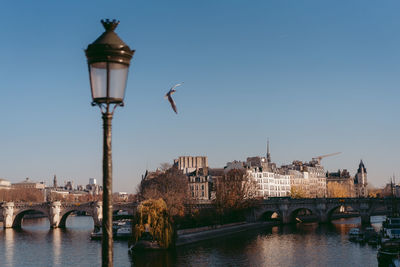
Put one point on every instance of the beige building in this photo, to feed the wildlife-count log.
(29, 184)
(199, 181)
(199, 186)
(190, 164)
(5, 184)
(339, 184)
(307, 178)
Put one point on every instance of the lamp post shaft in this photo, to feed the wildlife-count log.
(107, 241)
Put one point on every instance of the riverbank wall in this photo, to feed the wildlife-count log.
(189, 236)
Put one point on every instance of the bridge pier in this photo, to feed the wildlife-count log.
(55, 212)
(98, 214)
(8, 214)
(284, 213)
(323, 215)
(365, 216)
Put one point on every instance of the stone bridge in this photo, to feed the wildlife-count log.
(321, 208)
(286, 209)
(12, 213)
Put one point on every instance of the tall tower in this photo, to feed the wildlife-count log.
(268, 154)
(360, 181)
(55, 181)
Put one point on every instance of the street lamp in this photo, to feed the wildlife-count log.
(108, 60)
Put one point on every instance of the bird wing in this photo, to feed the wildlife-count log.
(172, 103)
(176, 85)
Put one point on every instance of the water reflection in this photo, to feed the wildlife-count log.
(56, 244)
(9, 246)
(308, 244)
(153, 258)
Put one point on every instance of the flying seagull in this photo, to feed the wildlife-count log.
(168, 95)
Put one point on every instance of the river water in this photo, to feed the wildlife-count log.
(295, 245)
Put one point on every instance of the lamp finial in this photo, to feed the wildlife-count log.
(110, 25)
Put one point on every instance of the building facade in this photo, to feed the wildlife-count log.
(340, 184)
(360, 181)
(190, 164)
(199, 186)
(270, 184)
(5, 184)
(29, 184)
(306, 178)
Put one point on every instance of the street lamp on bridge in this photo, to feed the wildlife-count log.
(108, 60)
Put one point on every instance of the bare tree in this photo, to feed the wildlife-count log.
(298, 192)
(235, 190)
(22, 195)
(171, 185)
(337, 190)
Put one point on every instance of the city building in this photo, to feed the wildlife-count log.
(200, 184)
(270, 184)
(69, 186)
(360, 181)
(199, 181)
(263, 162)
(340, 184)
(27, 183)
(5, 184)
(306, 177)
(55, 185)
(240, 165)
(190, 164)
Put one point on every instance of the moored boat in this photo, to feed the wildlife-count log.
(354, 234)
(146, 242)
(96, 235)
(388, 252)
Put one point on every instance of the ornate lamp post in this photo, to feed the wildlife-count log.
(108, 59)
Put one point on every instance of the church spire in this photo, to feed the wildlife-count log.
(268, 154)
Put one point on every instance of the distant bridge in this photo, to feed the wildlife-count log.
(57, 212)
(286, 209)
(322, 208)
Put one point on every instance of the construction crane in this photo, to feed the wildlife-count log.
(318, 159)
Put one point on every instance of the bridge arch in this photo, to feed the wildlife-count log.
(17, 221)
(270, 215)
(331, 210)
(65, 213)
(64, 216)
(302, 214)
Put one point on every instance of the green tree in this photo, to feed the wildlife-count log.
(152, 217)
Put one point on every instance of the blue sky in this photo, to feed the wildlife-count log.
(315, 77)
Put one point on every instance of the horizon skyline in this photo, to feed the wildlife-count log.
(239, 160)
(314, 77)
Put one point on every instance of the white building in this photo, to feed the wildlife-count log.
(270, 184)
(5, 184)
